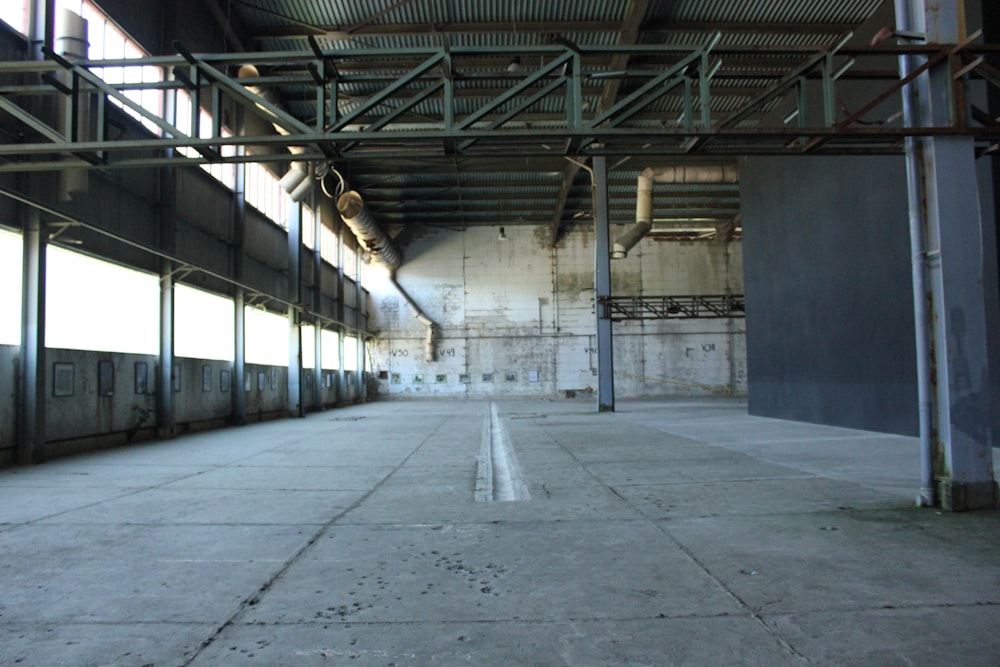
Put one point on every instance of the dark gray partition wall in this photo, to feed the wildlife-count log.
(828, 291)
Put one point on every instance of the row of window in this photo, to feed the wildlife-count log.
(126, 317)
(106, 41)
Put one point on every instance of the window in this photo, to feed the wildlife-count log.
(10, 294)
(109, 42)
(225, 173)
(15, 14)
(91, 304)
(328, 243)
(203, 324)
(330, 340)
(266, 340)
(265, 194)
(308, 228)
(350, 353)
(308, 342)
(350, 260)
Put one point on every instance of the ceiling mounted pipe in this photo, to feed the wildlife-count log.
(430, 341)
(684, 174)
(355, 214)
(71, 43)
(254, 124)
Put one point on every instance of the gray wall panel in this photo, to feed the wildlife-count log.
(828, 290)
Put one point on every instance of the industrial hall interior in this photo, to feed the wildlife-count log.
(499, 332)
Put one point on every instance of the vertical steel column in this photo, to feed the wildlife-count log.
(31, 417)
(943, 172)
(317, 305)
(341, 309)
(295, 408)
(239, 399)
(239, 406)
(602, 285)
(359, 295)
(165, 407)
(164, 378)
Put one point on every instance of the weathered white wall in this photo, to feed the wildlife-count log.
(517, 317)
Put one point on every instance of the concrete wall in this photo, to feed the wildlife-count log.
(517, 318)
(829, 302)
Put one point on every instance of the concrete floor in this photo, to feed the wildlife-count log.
(667, 533)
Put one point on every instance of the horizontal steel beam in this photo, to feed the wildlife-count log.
(622, 308)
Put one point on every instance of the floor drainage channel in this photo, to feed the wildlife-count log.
(498, 476)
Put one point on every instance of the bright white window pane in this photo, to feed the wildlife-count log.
(328, 245)
(10, 295)
(308, 228)
(330, 340)
(350, 353)
(203, 324)
(15, 14)
(308, 346)
(266, 338)
(91, 304)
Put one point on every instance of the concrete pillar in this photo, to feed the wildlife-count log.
(602, 285)
(955, 269)
(295, 408)
(31, 389)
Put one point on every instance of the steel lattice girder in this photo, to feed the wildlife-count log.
(622, 308)
(696, 79)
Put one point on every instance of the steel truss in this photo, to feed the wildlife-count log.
(708, 99)
(621, 308)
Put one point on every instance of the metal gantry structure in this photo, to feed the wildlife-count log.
(684, 101)
(714, 306)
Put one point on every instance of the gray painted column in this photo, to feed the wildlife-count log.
(164, 378)
(239, 406)
(602, 285)
(31, 400)
(341, 310)
(954, 264)
(317, 306)
(295, 408)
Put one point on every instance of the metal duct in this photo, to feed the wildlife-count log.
(71, 42)
(684, 174)
(298, 180)
(354, 212)
(430, 342)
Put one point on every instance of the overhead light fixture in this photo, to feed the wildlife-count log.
(503, 235)
(515, 65)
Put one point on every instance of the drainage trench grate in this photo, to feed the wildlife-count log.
(498, 475)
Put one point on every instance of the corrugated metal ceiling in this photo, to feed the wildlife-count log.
(459, 191)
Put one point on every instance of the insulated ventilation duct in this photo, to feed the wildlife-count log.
(297, 181)
(355, 214)
(684, 174)
(371, 237)
(71, 43)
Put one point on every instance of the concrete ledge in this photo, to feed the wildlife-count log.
(964, 496)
